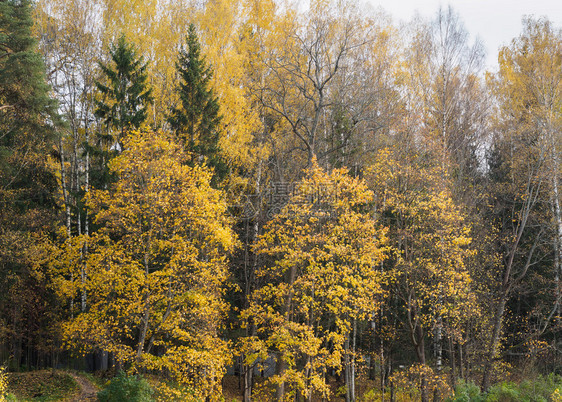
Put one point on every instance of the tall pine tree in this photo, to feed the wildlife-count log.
(196, 121)
(126, 95)
(28, 121)
(125, 98)
(27, 113)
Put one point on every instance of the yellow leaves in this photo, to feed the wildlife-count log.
(200, 368)
(219, 27)
(430, 236)
(325, 251)
(3, 383)
(157, 264)
(293, 341)
(253, 349)
(417, 376)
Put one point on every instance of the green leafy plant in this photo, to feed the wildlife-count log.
(504, 392)
(126, 388)
(467, 392)
(541, 388)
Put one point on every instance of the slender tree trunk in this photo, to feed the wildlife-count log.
(352, 368)
(16, 337)
(280, 368)
(453, 361)
(420, 351)
(382, 364)
(307, 392)
(144, 330)
(350, 365)
(146, 314)
(86, 224)
(68, 215)
(494, 340)
(438, 343)
(248, 372)
(346, 370)
(248, 382)
(461, 363)
(558, 219)
(557, 262)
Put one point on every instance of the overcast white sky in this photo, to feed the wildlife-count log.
(496, 22)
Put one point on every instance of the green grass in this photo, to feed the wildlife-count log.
(44, 385)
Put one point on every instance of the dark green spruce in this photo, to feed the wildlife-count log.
(125, 98)
(197, 119)
(27, 114)
(28, 126)
(125, 93)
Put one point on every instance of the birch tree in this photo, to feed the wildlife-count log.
(528, 88)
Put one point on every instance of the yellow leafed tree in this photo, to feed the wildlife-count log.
(432, 242)
(321, 276)
(156, 268)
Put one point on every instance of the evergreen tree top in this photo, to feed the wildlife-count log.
(28, 115)
(126, 95)
(25, 103)
(197, 119)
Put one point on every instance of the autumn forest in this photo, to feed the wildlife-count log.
(285, 201)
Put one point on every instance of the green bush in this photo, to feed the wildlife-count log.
(370, 395)
(126, 388)
(467, 392)
(541, 388)
(504, 392)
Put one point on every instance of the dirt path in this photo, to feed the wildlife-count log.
(88, 391)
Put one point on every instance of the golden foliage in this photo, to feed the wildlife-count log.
(323, 254)
(410, 382)
(431, 239)
(155, 271)
(3, 383)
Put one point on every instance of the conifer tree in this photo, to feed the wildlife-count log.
(124, 104)
(26, 111)
(28, 119)
(126, 95)
(196, 121)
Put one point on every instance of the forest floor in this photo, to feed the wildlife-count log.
(51, 385)
(42, 385)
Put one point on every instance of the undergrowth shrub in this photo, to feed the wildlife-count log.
(126, 388)
(541, 389)
(467, 392)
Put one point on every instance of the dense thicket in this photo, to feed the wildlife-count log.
(311, 195)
